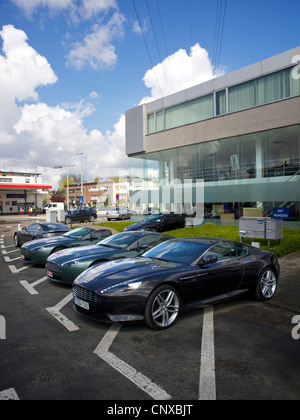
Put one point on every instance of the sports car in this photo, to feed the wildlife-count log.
(159, 223)
(38, 231)
(37, 251)
(65, 266)
(173, 277)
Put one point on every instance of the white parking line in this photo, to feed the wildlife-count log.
(6, 246)
(31, 287)
(207, 383)
(9, 252)
(55, 311)
(8, 259)
(140, 380)
(16, 270)
(9, 394)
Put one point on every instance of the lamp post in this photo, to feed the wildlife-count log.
(68, 166)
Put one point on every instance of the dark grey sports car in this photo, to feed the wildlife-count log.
(38, 231)
(175, 276)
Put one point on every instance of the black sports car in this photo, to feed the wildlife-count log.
(174, 276)
(159, 223)
(81, 215)
(38, 231)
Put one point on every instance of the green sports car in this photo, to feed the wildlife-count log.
(65, 266)
(37, 251)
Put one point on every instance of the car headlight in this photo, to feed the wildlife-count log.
(70, 263)
(121, 288)
(39, 248)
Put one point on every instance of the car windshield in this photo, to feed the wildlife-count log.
(154, 218)
(177, 251)
(78, 233)
(120, 240)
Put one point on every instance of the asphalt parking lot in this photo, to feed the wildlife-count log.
(237, 350)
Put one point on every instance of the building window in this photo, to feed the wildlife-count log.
(150, 123)
(221, 102)
(190, 112)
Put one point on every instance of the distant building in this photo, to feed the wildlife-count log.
(101, 193)
(19, 191)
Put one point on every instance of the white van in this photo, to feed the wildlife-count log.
(54, 206)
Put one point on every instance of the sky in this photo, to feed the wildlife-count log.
(70, 69)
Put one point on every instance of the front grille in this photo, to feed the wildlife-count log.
(85, 294)
(26, 253)
(57, 273)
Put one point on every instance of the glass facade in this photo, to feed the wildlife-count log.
(253, 170)
(259, 91)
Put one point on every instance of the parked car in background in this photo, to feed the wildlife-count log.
(120, 213)
(65, 266)
(172, 277)
(102, 211)
(39, 230)
(37, 252)
(159, 223)
(87, 214)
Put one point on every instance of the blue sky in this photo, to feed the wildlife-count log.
(69, 69)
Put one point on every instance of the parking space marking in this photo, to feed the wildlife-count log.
(207, 382)
(9, 394)
(31, 287)
(6, 246)
(8, 259)
(16, 270)
(9, 252)
(140, 380)
(55, 311)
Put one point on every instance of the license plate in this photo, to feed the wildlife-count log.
(49, 274)
(81, 303)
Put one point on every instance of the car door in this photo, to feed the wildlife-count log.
(27, 233)
(222, 276)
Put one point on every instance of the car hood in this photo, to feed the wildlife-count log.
(46, 242)
(114, 272)
(83, 252)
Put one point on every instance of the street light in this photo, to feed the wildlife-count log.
(68, 166)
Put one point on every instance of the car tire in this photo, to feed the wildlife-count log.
(91, 219)
(17, 241)
(162, 307)
(267, 284)
(67, 220)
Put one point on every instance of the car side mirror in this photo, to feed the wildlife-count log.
(210, 259)
(24, 228)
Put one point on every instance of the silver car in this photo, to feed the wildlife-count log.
(120, 213)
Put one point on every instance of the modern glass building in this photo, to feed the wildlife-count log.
(238, 135)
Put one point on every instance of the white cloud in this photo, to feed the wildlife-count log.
(96, 50)
(22, 69)
(179, 71)
(30, 6)
(84, 8)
